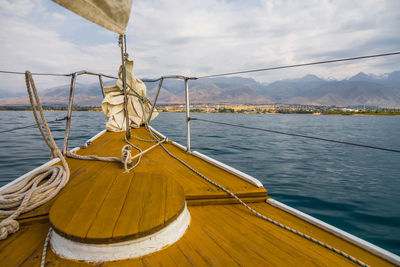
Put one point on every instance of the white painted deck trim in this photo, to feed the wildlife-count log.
(97, 135)
(387, 255)
(184, 148)
(49, 163)
(228, 168)
(123, 250)
(157, 132)
(336, 231)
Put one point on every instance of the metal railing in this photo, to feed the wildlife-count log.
(160, 80)
(181, 77)
(187, 101)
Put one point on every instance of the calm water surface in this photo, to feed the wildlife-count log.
(355, 189)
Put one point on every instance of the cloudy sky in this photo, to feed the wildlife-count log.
(201, 37)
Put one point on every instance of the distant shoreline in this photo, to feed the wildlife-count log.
(364, 113)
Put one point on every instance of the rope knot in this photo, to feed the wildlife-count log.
(55, 153)
(86, 144)
(8, 226)
(126, 157)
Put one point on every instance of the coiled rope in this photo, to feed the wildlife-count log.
(44, 184)
(258, 214)
(40, 186)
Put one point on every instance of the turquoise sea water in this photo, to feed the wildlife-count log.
(355, 189)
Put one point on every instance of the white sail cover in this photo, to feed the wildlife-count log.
(110, 14)
(139, 106)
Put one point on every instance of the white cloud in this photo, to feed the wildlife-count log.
(58, 16)
(209, 36)
(16, 7)
(28, 46)
(220, 36)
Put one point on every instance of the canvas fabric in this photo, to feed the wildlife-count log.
(110, 14)
(113, 102)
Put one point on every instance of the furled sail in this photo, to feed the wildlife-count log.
(139, 106)
(110, 14)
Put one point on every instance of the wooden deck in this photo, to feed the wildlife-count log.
(117, 207)
(220, 233)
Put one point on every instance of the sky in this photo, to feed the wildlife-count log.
(200, 37)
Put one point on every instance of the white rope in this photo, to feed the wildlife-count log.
(44, 251)
(126, 158)
(93, 157)
(44, 184)
(39, 187)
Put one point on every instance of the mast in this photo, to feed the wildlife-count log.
(124, 56)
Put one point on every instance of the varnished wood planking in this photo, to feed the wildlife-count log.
(144, 210)
(305, 227)
(84, 207)
(317, 232)
(119, 208)
(74, 195)
(123, 225)
(261, 246)
(194, 187)
(157, 160)
(78, 168)
(15, 250)
(103, 224)
(221, 235)
(174, 197)
(152, 217)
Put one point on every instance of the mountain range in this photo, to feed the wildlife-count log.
(361, 89)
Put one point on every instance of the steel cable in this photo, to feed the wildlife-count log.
(227, 73)
(299, 65)
(31, 125)
(298, 135)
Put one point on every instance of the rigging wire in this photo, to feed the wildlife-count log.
(298, 135)
(45, 74)
(223, 74)
(60, 74)
(300, 65)
(31, 125)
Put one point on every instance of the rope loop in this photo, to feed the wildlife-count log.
(38, 187)
(7, 227)
(126, 157)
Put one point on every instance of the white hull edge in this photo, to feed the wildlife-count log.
(157, 132)
(49, 163)
(336, 231)
(214, 162)
(223, 166)
(229, 169)
(387, 255)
